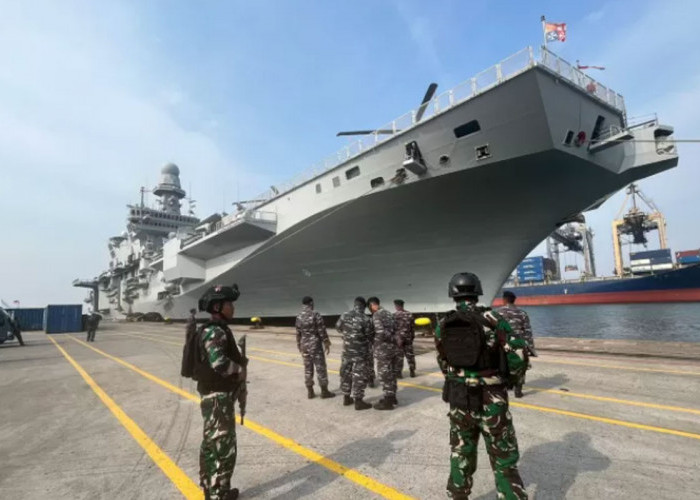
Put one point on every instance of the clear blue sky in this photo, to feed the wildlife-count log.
(96, 96)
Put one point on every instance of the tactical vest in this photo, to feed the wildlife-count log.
(464, 343)
(208, 379)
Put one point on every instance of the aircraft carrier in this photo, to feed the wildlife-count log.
(472, 179)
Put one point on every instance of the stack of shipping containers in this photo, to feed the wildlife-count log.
(688, 257)
(651, 261)
(535, 270)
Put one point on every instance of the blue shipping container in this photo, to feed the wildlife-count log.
(29, 318)
(650, 254)
(63, 318)
(690, 259)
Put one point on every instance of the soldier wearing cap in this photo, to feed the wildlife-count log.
(519, 321)
(312, 340)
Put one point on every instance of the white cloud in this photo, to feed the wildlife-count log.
(594, 16)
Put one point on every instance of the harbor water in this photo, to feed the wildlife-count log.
(675, 322)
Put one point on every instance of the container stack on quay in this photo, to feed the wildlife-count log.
(29, 318)
(688, 257)
(650, 261)
(63, 318)
(536, 269)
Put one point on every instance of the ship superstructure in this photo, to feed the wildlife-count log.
(457, 184)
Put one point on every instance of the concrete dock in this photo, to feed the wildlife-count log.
(114, 419)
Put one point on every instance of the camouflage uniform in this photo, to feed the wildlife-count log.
(357, 332)
(519, 322)
(404, 328)
(385, 348)
(217, 455)
(486, 413)
(311, 335)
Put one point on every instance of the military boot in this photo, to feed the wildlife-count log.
(384, 404)
(232, 494)
(399, 374)
(413, 372)
(312, 394)
(393, 400)
(518, 391)
(371, 383)
(325, 393)
(362, 405)
(347, 400)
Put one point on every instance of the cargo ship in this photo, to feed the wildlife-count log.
(651, 276)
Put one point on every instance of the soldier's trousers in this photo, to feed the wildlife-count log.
(493, 421)
(353, 376)
(91, 334)
(407, 352)
(318, 359)
(386, 368)
(217, 455)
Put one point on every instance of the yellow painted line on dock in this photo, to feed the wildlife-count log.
(340, 469)
(617, 367)
(183, 483)
(439, 375)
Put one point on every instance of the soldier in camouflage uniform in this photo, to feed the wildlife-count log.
(404, 328)
(479, 399)
(312, 340)
(220, 373)
(519, 321)
(385, 348)
(357, 332)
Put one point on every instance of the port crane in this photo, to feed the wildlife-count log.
(635, 223)
(576, 237)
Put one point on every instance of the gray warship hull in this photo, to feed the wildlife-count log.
(484, 199)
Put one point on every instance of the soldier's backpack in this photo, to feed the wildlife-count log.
(191, 354)
(464, 341)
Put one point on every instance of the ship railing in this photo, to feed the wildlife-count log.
(248, 216)
(496, 75)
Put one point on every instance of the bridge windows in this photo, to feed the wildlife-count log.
(336, 182)
(318, 188)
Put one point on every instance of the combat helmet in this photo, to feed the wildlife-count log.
(464, 286)
(217, 294)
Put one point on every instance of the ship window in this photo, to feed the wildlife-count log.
(569, 137)
(597, 129)
(336, 182)
(467, 128)
(318, 188)
(352, 172)
(376, 182)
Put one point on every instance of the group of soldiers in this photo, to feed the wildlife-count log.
(481, 353)
(380, 336)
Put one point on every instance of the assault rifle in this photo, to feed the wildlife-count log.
(242, 393)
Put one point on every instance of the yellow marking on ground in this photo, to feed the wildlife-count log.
(340, 469)
(617, 367)
(622, 423)
(183, 483)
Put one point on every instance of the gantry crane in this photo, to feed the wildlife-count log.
(574, 237)
(636, 223)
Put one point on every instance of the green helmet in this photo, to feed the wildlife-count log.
(217, 294)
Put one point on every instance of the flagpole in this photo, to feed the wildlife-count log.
(544, 31)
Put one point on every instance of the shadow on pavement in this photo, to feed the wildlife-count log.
(553, 467)
(307, 480)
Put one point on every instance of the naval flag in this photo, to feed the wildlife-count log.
(554, 32)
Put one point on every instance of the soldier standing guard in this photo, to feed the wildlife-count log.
(312, 340)
(385, 347)
(191, 327)
(356, 329)
(519, 321)
(471, 346)
(404, 329)
(220, 373)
